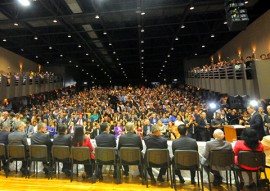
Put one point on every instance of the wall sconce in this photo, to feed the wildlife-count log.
(219, 57)
(21, 66)
(39, 68)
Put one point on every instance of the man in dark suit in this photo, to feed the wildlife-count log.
(41, 138)
(184, 143)
(105, 140)
(256, 122)
(203, 127)
(18, 137)
(217, 144)
(146, 127)
(4, 139)
(155, 141)
(63, 139)
(129, 140)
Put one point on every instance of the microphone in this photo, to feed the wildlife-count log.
(234, 119)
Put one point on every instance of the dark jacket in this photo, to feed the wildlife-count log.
(4, 136)
(155, 142)
(256, 123)
(184, 143)
(105, 140)
(130, 140)
(62, 140)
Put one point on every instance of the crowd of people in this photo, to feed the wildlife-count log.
(130, 115)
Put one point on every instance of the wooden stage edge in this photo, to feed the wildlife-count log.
(61, 183)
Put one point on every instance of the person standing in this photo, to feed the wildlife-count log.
(256, 122)
(184, 143)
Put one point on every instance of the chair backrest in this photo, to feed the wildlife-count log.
(157, 158)
(16, 152)
(60, 153)
(251, 159)
(130, 155)
(2, 151)
(186, 159)
(105, 155)
(221, 159)
(38, 152)
(80, 155)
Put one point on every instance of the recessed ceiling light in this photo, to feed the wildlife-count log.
(191, 7)
(142, 13)
(110, 44)
(104, 32)
(142, 50)
(47, 62)
(176, 38)
(212, 35)
(69, 36)
(142, 57)
(195, 54)
(105, 72)
(82, 70)
(114, 52)
(36, 56)
(225, 23)
(55, 21)
(61, 55)
(22, 49)
(119, 64)
(172, 48)
(86, 54)
(169, 56)
(70, 61)
(36, 38)
(122, 68)
(101, 69)
(93, 60)
(165, 61)
(161, 70)
(203, 46)
(142, 63)
(183, 26)
(5, 40)
(97, 65)
(246, 2)
(97, 16)
(16, 24)
(79, 46)
(142, 30)
(142, 66)
(87, 73)
(50, 47)
(163, 66)
(117, 58)
(142, 41)
(24, 2)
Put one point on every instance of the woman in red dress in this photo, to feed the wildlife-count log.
(80, 140)
(249, 142)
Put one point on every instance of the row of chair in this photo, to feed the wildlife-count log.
(154, 158)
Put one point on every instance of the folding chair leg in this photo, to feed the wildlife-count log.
(71, 174)
(170, 170)
(174, 180)
(201, 172)
(146, 178)
(209, 182)
(198, 178)
(227, 177)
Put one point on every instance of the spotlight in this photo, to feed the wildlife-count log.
(213, 105)
(253, 103)
(97, 17)
(24, 3)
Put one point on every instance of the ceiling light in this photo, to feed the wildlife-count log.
(225, 23)
(183, 26)
(50, 47)
(24, 2)
(212, 35)
(36, 38)
(36, 56)
(161, 70)
(47, 62)
(114, 52)
(195, 54)
(121, 68)
(61, 55)
(191, 7)
(97, 65)
(101, 69)
(70, 61)
(97, 17)
(142, 41)
(55, 21)
(69, 36)
(79, 46)
(117, 58)
(142, 63)
(142, 13)
(16, 24)
(172, 48)
(104, 32)
(176, 38)
(142, 50)
(142, 30)
(5, 40)
(203, 46)
(119, 64)
(142, 57)
(87, 73)
(169, 56)
(82, 70)
(77, 66)
(93, 60)
(246, 2)
(110, 44)
(142, 67)
(165, 61)
(163, 66)
(105, 72)
(86, 54)
(22, 49)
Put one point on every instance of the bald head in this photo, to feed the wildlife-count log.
(218, 134)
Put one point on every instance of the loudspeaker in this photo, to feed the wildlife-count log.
(236, 15)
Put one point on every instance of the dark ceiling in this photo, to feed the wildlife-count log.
(123, 44)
